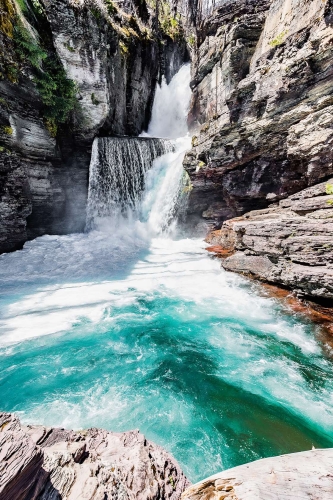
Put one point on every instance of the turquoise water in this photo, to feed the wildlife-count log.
(125, 327)
(163, 340)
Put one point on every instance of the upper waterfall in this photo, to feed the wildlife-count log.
(171, 105)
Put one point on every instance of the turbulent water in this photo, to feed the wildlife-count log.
(128, 326)
(117, 174)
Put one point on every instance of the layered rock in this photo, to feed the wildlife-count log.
(113, 58)
(46, 463)
(289, 243)
(297, 475)
(262, 101)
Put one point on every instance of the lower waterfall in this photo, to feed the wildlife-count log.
(117, 174)
(132, 325)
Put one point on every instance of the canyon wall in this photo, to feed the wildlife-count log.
(262, 105)
(70, 71)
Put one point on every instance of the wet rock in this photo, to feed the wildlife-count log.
(46, 463)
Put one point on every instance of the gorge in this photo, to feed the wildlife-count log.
(112, 314)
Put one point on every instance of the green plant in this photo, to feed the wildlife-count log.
(278, 40)
(94, 100)
(111, 7)
(96, 13)
(69, 48)
(58, 93)
(12, 73)
(191, 40)
(27, 48)
(172, 482)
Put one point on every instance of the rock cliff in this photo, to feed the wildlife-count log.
(289, 243)
(262, 104)
(71, 70)
(38, 463)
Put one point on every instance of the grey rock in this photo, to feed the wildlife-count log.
(262, 106)
(298, 475)
(289, 244)
(46, 463)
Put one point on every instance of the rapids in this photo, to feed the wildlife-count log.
(131, 325)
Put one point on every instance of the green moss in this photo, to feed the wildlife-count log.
(8, 130)
(5, 150)
(123, 49)
(7, 15)
(278, 40)
(329, 189)
(51, 126)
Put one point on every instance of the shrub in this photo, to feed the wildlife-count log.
(58, 93)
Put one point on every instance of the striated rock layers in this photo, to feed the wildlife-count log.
(289, 243)
(298, 475)
(263, 104)
(70, 70)
(45, 463)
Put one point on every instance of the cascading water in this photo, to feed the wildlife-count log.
(126, 327)
(117, 174)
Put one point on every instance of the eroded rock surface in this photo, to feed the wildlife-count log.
(52, 464)
(288, 244)
(262, 101)
(295, 476)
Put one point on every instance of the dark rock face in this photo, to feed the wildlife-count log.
(289, 244)
(262, 98)
(114, 61)
(39, 463)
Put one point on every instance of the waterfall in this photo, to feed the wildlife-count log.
(117, 174)
(142, 178)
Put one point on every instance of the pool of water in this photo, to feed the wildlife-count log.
(163, 340)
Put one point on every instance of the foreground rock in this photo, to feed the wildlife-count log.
(262, 105)
(52, 464)
(288, 244)
(298, 475)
